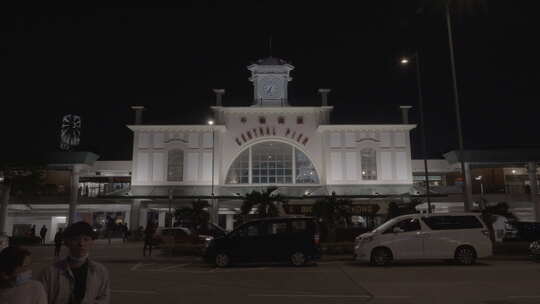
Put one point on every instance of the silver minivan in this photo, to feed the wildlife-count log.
(462, 237)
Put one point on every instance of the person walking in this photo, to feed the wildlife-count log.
(33, 231)
(16, 284)
(125, 232)
(148, 238)
(58, 242)
(77, 279)
(43, 234)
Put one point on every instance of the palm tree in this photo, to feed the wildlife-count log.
(194, 217)
(266, 203)
(332, 211)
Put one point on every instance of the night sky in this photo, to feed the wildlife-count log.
(98, 62)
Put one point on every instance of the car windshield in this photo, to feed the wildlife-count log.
(385, 226)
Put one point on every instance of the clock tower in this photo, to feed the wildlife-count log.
(270, 77)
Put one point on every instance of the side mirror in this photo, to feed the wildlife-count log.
(397, 230)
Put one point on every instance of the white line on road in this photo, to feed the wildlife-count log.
(135, 291)
(169, 268)
(136, 266)
(309, 296)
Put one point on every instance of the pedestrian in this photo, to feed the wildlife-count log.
(125, 232)
(58, 242)
(33, 230)
(43, 234)
(148, 239)
(16, 284)
(77, 279)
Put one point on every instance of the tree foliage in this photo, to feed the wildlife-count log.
(195, 217)
(266, 203)
(332, 212)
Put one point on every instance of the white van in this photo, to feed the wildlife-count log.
(458, 236)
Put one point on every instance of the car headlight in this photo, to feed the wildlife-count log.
(535, 245)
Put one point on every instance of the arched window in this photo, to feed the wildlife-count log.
(369, 163)
(175, 165)
(272, 162)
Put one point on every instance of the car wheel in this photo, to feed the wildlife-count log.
(381, 257)
(222, 260)
(465, 255)
(298, 258)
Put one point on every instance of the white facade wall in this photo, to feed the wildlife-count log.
(345, 143)
(334, 150)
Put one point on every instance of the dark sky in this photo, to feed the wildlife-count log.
(98, 62)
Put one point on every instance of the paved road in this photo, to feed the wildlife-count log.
(188, 280)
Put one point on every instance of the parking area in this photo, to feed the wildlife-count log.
(189, 280)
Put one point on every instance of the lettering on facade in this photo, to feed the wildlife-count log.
(270, 131)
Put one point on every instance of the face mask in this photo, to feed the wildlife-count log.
(78, 260)
(23, 277)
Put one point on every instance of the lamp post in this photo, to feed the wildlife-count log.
(466, 184)
(479, 179)
(214, 205)
(405, 61)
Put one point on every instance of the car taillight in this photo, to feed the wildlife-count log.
(316, 239)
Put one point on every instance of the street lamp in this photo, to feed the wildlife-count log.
(468, 199)
(479, 178)
(405, 61)
(214, 205)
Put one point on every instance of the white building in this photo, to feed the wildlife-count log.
(270, 143)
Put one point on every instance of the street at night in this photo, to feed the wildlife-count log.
(334, 280)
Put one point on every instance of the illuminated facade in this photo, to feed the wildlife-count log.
(271, 143)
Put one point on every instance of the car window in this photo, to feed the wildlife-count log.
(277, 228)
(452, 222)
(406, 225)
(247, 230)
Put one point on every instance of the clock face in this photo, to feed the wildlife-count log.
(270, 88)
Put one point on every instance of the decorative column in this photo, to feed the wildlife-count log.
(229, 225)
(405, 114)
(534, 189)
(324, 96)
(73, 194)
(161, 218)
(143, 215)
(134, 214)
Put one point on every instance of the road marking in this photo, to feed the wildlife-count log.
(309, 296)
(135, 291)
(136, 266)
(169, 268)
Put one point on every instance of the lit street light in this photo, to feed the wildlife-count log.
(466, 184)
(214, 204)
(405, 61)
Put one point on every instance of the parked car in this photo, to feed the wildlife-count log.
(526, 231)
(534, 250)
(293, 239)
(166, 236)
(212, 231)
(4, 241)
(462, 237)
